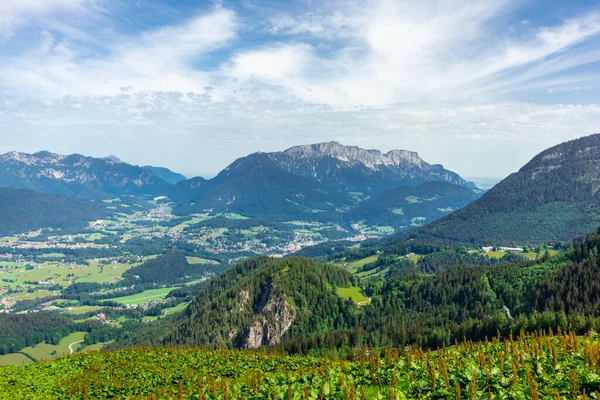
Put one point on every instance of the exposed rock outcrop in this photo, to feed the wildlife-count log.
(268, 328)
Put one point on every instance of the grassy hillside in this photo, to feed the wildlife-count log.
(544, 366)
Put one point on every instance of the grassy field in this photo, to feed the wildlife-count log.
(30, 296)
(495, 254)
(93, 237)
(379, 230)
(104, 273)
(198, 260)
(372, 273)
(82, 309)
(415, 258)
(14, 359)
(532, 255)
(178, 308)
(141, 298)
(44, 351)
(235, 216)
(179, 228)
(63, 274)
(354, 265)
(353, 293)
(92, 347)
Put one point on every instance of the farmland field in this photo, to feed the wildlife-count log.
(105, 273)
(172, 310)
(495, 254)
(355, 265)
(82, 309)
(44, 351)
(141, 298)
(14, 359)
(198, 260)
(415, 257)
(63, 274)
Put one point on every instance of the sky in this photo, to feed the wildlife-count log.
(478, 86)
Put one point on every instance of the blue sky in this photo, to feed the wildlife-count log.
(479, 86)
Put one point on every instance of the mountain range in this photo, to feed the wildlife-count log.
(95, 178)
(323, 182)
(554, 197)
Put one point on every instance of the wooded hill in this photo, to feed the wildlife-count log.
(554, 197)
(26, 210)
(291, 304)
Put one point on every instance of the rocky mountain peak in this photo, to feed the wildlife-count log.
(76, 174)
(15, 156)
(41, 157)
(355, 155)
(112, 159)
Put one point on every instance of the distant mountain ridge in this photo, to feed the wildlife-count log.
(322, 181)
(78, 175)
(556, 196)
(166, 174)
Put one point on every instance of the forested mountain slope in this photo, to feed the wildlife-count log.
(26, 210)
(257, 187)
(554, 197)
(291, 304)
(405, 207)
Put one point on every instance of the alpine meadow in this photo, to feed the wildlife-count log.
(299, 200)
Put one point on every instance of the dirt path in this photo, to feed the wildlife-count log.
(364, 303)
(71, 346)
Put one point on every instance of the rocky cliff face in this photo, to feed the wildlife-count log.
(362, 170)
(268, 328)
(260, 302)
(353, 155)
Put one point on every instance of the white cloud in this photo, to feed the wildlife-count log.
(368, 52)
(159, 60)
(194, 134)
(407, 50)
(430, 76)
(272, 64)
(15, 13)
